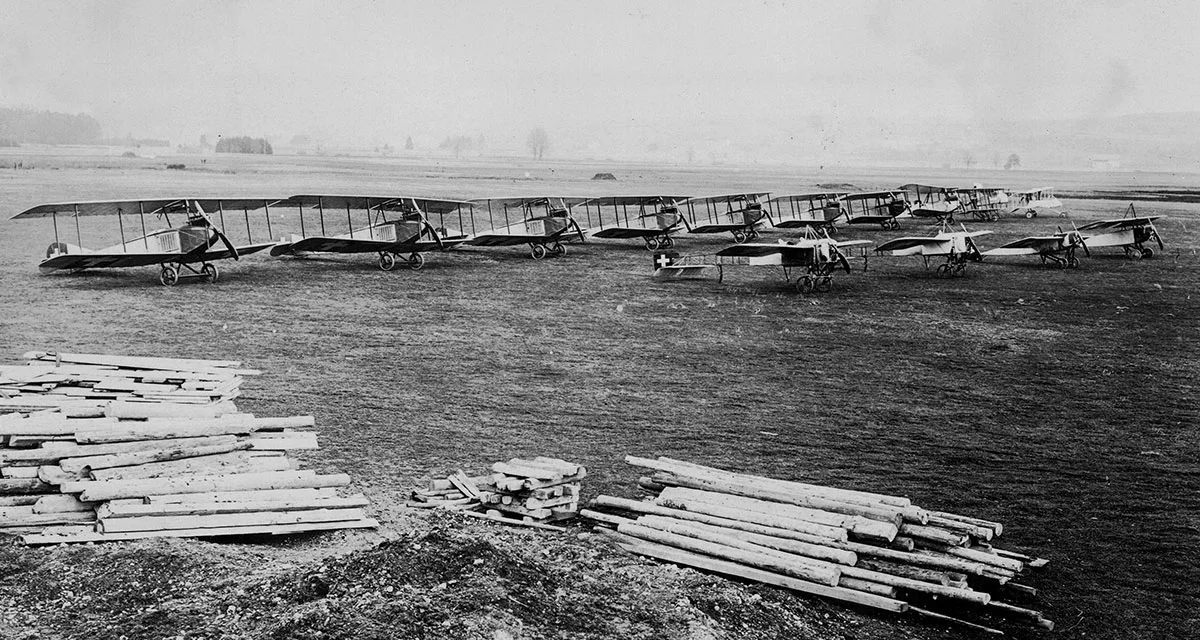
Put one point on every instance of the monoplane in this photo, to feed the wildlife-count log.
(816, 211)
(408, 231)
(815, 257)
(1030, 202)
(174, 249)
(739, 214)
(925, 201)
(982, 203)
(542, 223)
(875, 207)
(651, 219)
(1057, 249)
(957, 247)
(1131, 232)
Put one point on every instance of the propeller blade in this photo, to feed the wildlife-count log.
(1157, 236)
(220, 234)
(841, 259)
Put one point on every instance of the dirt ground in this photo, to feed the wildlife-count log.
(1058, 402)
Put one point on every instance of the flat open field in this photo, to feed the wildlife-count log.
(1061, 403)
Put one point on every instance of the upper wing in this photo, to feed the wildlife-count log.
(760, 249)
(129, 207)
(807, 197)
(634, 201)
(357, 202)
(730, 197)
(523, 202)
(1120, 223)
(1027, 246)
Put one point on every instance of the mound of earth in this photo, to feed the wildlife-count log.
(443, 577)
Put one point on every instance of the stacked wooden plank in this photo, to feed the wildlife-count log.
(533, 492)
(154, 463)
(870, 549)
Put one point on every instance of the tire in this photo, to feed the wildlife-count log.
(169, 276)
(558, 249)
(1072, 262)
(805, 284)
(666, 242)
(387, 261)
(739, 237)
(416, 261)
(824, 284)
(1030, 213)
(1147, 253)
(651, 243)
(538, 251)
(210, 272)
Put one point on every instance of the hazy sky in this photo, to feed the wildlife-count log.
(384, 70)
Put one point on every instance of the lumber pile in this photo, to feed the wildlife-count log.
(532, 492)
(865, 548)
(133, 452)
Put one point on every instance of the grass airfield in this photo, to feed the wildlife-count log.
(1059, 402)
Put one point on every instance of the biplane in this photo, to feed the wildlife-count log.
(740, 214)
(816, 211)
(982, 203)
(1032, 201)
(1130, 232)
(651, 219)
(409, 230)
(925, 201)
(957, 247)
(1057, 249)
(814, 256)
(175, 249)
(876, 207)
(542, 223)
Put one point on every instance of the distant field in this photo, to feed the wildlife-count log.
(1061, 403)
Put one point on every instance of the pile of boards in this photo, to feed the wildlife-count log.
(96, 448)
(533, 492)
(870, 549)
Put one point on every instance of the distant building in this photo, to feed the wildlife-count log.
(1105, 163)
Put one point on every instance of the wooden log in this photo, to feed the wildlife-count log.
(903, 543)
(226, 463)
(463, 483)
(144, 410)
(975, 531)
(23, 486)
(883, 512)
(828, 534)
(18, 501)
(56, 424)
(61, 504)
(855, 524)
(797, 568)
(251, 519)
(88, 464)
(527, 471)
(967, 595)
(162, 429)
(129, 509)
(442, 484)
(19, 472)
(565, 467)
(646, 484)
(54, 474)
(75, 535)
(806, 549)
(244, 496)
(905, 571)
(691, 559)
(143, 362)
(996, 527)
(836, 533)
(201, 484)
(52, 452)
(1021, 612)
(866, 586)
(289, 441)
(606, 518)
(982, 557)
(959, 621)
(510, 521)
(841, 495)
(934, 534)
(27, 517)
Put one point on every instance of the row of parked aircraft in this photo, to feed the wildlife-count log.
(401, 229)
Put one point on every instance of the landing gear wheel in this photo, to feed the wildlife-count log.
(805, 284)
(739, 237)
(960, 270)
(169, 276)
(558, 249)
(943, 271)
(1133, 253)
(824, 284)
(666, 242)
(652, 243)
(1072, 262)
(1030, 213)
(1147, 253)
(538, 251)
(416, 261)
(387, 261)
(210, 272)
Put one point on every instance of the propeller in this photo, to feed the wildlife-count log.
(220, 234)
(840, 258)
(1156, 236)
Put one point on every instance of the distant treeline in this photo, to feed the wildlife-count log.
(47, 127)
(130, 141)
(244, 144)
